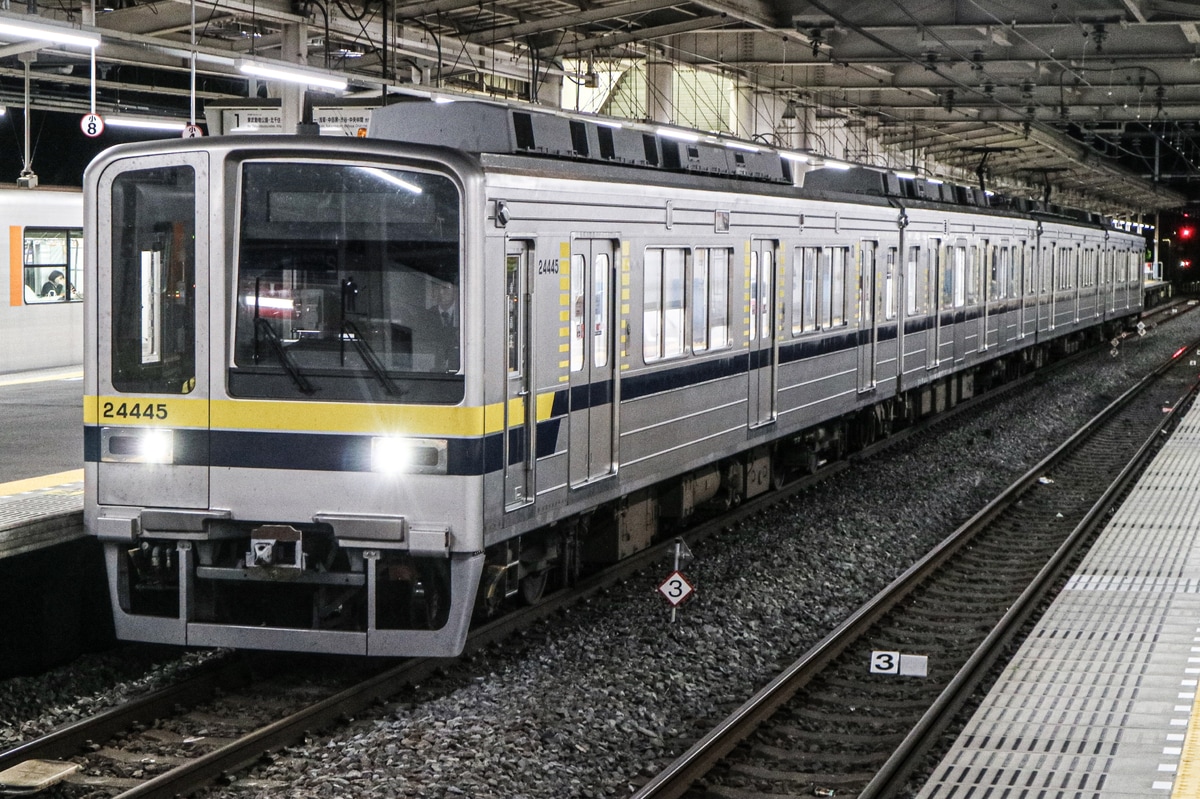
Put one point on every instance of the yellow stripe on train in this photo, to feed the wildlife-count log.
(325, 417)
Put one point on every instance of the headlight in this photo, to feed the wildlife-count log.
(396, 455)
(137, 445)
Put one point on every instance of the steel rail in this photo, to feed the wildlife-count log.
(693, 764)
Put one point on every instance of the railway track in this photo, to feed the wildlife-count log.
(827, 726)
(189, 735)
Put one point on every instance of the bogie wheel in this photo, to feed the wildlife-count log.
(429, 601)
(533, 586)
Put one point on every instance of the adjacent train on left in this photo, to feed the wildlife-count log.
(344, 395)
(41, 323)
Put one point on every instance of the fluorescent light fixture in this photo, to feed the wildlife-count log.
(388, 177)
(737, 145)
(609, 123)
(934, 181)
(144, 124)
(443, 100)
(274, 303)
(836, 164)
(45, 33)
(799, 158)
(291, 75)
(906, 175)
(679, 135)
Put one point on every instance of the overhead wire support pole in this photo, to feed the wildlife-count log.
(92, 89)
(192, 98)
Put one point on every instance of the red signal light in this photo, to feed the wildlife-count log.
(1186, 232)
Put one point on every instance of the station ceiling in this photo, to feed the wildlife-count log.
(1098, 99)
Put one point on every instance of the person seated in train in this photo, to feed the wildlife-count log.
(55, 285)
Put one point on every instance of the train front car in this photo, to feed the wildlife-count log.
(284, 427)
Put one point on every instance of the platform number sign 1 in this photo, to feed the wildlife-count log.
(92, 125)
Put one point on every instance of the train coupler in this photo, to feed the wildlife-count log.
(277, 546)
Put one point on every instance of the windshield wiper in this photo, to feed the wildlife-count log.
(369, 357)
(262, 326)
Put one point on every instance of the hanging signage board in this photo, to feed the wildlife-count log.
(342, 120)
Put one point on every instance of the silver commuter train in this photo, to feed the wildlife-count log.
(345, 395)
(41, 323)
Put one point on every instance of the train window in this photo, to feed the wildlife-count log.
(347, 284)
(912, 278)
(889, 285)
(53, 264)
(804, 290)
(718, 297)
(600, 272)
(934, 274)
(765, 273)
(153, 274)
(516, 317)
(754, 295)
(663, 303)
(1012, 257)
(699, 300)
(578, 313)
(839, 258)
(958, 275)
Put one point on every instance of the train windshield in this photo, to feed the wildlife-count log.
(347, 284)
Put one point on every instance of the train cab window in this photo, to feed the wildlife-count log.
(153, 278)
(348, 279)
(53, 261)
(662, 303)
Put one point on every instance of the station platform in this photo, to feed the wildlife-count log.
(43, 506)
(40, 512)
(1100, 701)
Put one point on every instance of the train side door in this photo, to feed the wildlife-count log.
(960, 272)
(151, 436)
(520, 412)
(592, 408)
(933, 298)
(1001, 272)
(868, 341)
(762, 331)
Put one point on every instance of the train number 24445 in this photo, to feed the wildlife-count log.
(134, 410)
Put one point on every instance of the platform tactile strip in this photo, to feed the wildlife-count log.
(1097, 702)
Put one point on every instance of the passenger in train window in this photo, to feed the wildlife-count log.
(55, 286)
(446, 306)
(443, 324)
